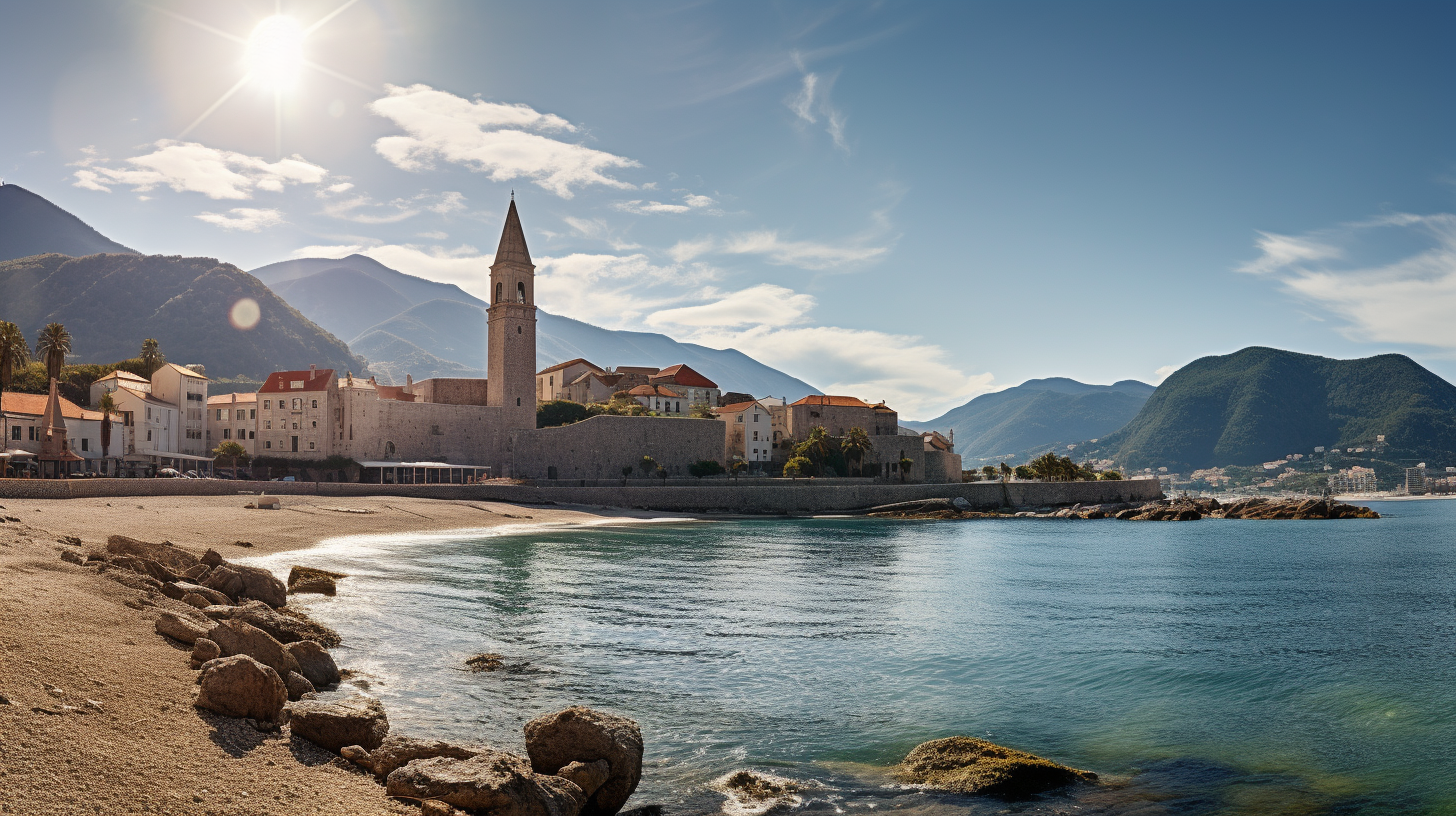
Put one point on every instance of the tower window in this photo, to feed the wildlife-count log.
(518, 330)
(521, 292)
(518, 402)
(498, 293)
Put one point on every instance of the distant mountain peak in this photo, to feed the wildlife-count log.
(32, 225)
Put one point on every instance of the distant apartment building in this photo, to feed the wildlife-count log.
(186, 389)
(659, 399)
(693, 388)
(298, 413)
(748, 432)
(1353, 480)
(233, 418)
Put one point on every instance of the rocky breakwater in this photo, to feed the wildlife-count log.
(1179, 509)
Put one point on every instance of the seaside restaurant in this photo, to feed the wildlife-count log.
(421, 473)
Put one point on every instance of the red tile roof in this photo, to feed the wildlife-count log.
(278, 382)
(837, 402)
(34, 405)
(736, 407)
(681, 374)
(653, 391)
(569, 364)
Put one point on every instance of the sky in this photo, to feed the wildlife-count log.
(909, 201)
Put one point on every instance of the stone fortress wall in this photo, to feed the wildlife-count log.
(600, 446)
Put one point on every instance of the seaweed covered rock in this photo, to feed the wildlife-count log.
(753, 792)
(973, 766)
(580, 734)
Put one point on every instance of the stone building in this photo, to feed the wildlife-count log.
(748, 433)
(660, 399)
(600, 447)
(511, 327)
(595, 386)
(694, 388)
(553, 382)
(838, 414)
(26, 421)
(299, 413)
(233, 418)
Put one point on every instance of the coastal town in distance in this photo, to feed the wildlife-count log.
(720, 409)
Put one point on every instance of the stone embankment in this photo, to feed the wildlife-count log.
(1182, 509)
(268, 666)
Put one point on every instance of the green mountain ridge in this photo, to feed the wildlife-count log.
(1259, 404)
(31, 225)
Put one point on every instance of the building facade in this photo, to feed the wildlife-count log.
(748, 433)
(554, 382)
(299, 414)
(511, 326)
(187, 390)
(233, 418)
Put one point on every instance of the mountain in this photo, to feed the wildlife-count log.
(439, 330)
(30, 225)
(1036, 416)
(110, 303)
(444, 337)
(1258, 404)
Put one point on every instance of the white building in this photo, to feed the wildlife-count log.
(187, 390)
(23, 431)
(749, 432)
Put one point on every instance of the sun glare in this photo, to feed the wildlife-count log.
(274, 55)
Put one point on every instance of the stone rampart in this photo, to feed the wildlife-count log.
(754, 496)
(599, 447)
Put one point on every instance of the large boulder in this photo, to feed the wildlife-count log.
(145, 566)
(286, 627)
(335, 724)
(314, 662)
(308, 579)
(973, 766)
(172, 557)
(178, 627)
(493, 782)
(204, 650)
(580, 734)
(260, 584)
(180, 590)
(396, 752)
(298, 686)
(225, 579)
(240, 686)
(238, 638)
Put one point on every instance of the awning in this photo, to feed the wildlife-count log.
(175, 455)
(422, 465)
(17, 452)
(65, 456)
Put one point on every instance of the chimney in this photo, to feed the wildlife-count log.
(313, 370)
(409, 384)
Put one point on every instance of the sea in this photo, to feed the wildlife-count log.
(1210, 667)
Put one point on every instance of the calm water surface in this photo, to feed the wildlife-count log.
(1211, 667)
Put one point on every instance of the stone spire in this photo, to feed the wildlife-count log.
(53, 425)
(513, 240)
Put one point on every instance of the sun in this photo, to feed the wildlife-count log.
(274, 54)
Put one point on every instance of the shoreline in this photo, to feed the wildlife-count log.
(96, 710)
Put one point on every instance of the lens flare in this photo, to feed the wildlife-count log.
(274, 56)
(245, 314)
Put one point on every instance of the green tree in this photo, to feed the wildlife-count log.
(13, 351)
(52, 346)
(152, 357)
(108, 407)
(701, 410)
(1110, 476)
(705, 467)
(989, 471)
(905, 464)
(554, 413)
(737, 467)
(648, 465)
(229, 450)
(1024, 472)
(855, 447)
(816, 445)
(1005, 472)
(797, 466)
(627, 471)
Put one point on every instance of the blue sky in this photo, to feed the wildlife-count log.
(906, 201)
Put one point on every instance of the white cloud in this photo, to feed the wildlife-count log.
(335, 189)
(764, 304)
(811, 104)
(245, 219)
(437, 235)
(490, 138)
(448, 202)
(802, 103)
(363, 209)
(193, 167)
(1397, 282)
(776, 250)
(598, 229)
(1279, 252)
(1162, 373)
(690, 202)
(611, 290)
(690, 248)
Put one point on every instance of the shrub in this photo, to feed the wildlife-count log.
(554, 413)
(705, 467)
(798, 466)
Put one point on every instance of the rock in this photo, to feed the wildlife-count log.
(73, 557)
(396, 752)
(212, 558)
(580, 734)
(297, 685)
(225, 579)
(180, 589)
(972, 766)
(144, 566)
(260, 584)
(194, 600)
(492, 782)
(240, 686)
(198, 573)
(960, 503)
(177, 627)
(758, 793)
(485, 662)
(1125, 515)
(239, 638)
(434, 807)
(286, 627)
(333, 724)
(308, 579)
(589, 776)
(314, 662)
(172, 557)
(357, 755)
(204, 650)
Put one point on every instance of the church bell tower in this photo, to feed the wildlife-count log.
(511, 367)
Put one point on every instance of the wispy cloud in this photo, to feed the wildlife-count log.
(363, 209)
(1391, 279)
(501, 140)
(778, 251)
(690, 202)
(194, 167)
(763, 305)
(243, 219)
(811, 104)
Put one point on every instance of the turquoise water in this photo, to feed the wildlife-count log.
(1201, 668)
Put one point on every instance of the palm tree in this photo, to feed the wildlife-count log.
(905, 465)
(152, 357)
(230, 450)
(855, 446)
(53, 344)
(816, 446)
(108, 407)
(1005, 471)
(13, 351)
(648, 465)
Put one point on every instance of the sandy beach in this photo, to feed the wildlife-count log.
(97, 716)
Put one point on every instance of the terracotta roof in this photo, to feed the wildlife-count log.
(394, 392)
(229, 399)
(123, 375)
(569, 364)
(278, 382)
(680, 374)
(648, 370)
(653, 391)
(736, 407)
(35, 404)
(513, 240)
(833, 401)
(146, 397)
(186, 372)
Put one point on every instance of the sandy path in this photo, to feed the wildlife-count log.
(132, 741)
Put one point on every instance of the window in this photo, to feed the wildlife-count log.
(297, 404)
(85, 444)
(755, 436)
(740, 418)
(755, 417)
(295, 384)
(315, 423)
(15, 433)
(388, 448)
(268, 444)
(149, 412)
(498, 292)
(252, 413)
(219, 415)
(315, 403)
(521, 292)
(252, 434)
(267, 424)
(267, 404)
(295, 426)
(518, 402)
(227, 433)
(310, 446)
(149, 434)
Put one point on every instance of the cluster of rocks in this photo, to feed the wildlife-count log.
(1180, 509)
